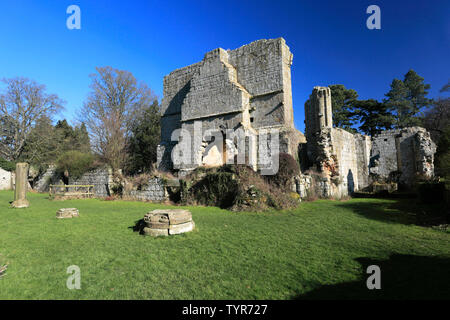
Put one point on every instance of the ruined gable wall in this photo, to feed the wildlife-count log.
(176, 86)
(263, 68)
(250, 85)
(214, 89)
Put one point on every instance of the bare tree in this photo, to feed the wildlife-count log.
(116, 98)
(21, 104)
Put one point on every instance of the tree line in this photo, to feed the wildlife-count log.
(118, 125)
(402, 107)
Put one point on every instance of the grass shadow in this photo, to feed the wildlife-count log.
(386, 211)
(405, 211)
(139, 226)
(403, 277)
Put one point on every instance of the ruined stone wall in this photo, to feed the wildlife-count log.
(402, 155)
(101, 178)
(248, 88)
(153, 191)
(352, 162)
(5, 180)
(176, 86)
(50, 176)
(214, 89)
(363, 146)
(344, 147)
(264, 70)
(341, 157)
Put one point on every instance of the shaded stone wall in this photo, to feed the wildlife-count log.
(102, 179)
(363, 146)
(318, 112)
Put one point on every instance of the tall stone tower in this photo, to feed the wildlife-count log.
(318, 118)
(318, 111)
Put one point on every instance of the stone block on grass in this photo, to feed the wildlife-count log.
(65, 213)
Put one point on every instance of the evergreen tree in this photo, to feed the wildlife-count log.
(407, 98)
(46, 142)
(81, 137)
(144, 139)
(373, 116)
(343, 101)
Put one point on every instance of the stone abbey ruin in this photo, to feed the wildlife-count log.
(235, 106)
(249, 90)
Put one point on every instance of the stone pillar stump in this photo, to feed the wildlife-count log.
(20, 191)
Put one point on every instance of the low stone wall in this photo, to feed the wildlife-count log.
(154, 191)
(100, 178)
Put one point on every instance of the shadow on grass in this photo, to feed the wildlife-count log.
(382, 211)
(138, 226)
(405, 211)
(402, 277)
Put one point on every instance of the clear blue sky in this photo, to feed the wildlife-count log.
(329, 40)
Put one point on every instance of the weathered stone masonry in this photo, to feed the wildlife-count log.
(402, 155)
(352, 162)
(248, 88)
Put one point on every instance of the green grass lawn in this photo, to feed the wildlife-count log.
(320, 250)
